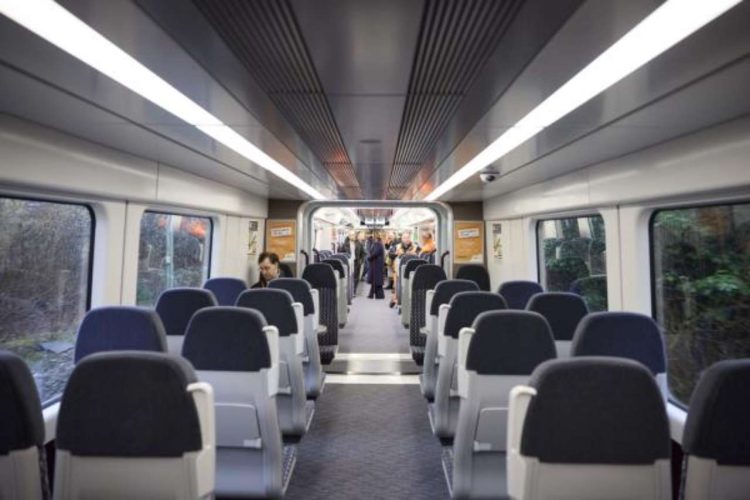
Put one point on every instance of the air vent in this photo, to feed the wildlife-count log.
(265, 37)
(456, 38)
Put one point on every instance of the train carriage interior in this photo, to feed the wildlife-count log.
(375, 249)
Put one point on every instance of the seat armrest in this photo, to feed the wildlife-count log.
(427, 306)
(203, 396)
(272, 335)
(520, 398)
(442, 316)
(464, 341)
(299, 314)
(316, 305)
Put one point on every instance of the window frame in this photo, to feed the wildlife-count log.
(652, 267)
(91, 257)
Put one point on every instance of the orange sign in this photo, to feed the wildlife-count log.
(468, 242)
(281, 238)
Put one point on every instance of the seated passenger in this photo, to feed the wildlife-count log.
(268, 265)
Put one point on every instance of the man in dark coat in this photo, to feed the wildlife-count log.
(376, 260)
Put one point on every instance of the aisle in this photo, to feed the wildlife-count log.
(372, 326)
(369, 442)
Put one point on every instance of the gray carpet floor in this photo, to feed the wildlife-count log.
(373, 326)
(369, 442)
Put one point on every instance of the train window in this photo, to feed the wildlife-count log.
(573, 258)
(45, 266)
(700, 261)
(175, 250)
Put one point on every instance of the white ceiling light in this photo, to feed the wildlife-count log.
(52, 22)
(672, 22)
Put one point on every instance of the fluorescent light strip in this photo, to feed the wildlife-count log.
(672, 22)
(52, 22)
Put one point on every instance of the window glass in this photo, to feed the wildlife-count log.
(573, 258)
(175, 250)
(45, 262)
(701, 288)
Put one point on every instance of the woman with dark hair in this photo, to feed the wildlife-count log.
(268, 265)
(376, 259)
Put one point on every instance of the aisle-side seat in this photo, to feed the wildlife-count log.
(279, 309)
(119, 328)
(517, 293)
(423, 279)
(563, 311)
(716, 440)
(234, 350)
(23, 473)
(349, 275)
(225, 289)
(322, 279)
(439, 305)
(303, 294)
(341, 289)
(498, 352)
(476, 273)
(175, 307)
(464, 309)
(589, 428)
(135, 424)
(623, 335)
(402, 261)
(406, 277)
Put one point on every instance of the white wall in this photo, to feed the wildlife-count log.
(43, 163)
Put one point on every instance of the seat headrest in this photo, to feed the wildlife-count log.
(226, 290)
(285, 270)
(466, 306)
(445, 290)
(562, 310)
(518, 293)
(509, 343)
(427, 276)
(476, 273)
(595, 411)
(405, 259)
(343, 258)
(320, 276)
(623, 335)
(275, 305)
(718, 423)
(21, 423)
(336, 265)
(129, 404)
(177, 305)
(411, 266)
(120, 328)
(300, 290)
(229, 339)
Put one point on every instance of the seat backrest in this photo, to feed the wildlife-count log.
(21, 431)
(337, 265)
(323, 278)
(476, 273)
(424, 278)
(445, 290)
(404, 260)
(624, 335)
(120, 328)
(518, 293)
(275, 305)
(135, 423)
(320, 275)
(563, 312)
(587, 427)
(466, 306)
(716, 439)
(286, 270)
(176, 306)
(411, 266)
(226, 290)
(299, 289)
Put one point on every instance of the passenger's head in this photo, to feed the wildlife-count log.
(268, 264)
(406, 238)
(351, 235)
(376, 235)
(426, 237)
(361, 236)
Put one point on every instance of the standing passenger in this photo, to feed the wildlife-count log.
(376, 261)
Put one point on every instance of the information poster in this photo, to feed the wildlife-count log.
(252, 241)
(282, 239)
(468, 242)
(497, 241)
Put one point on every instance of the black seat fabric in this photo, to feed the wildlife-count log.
(275, 305)
(718, 422)
(621, 334)
(120, 328)
(445, 290)
(509, 343)
(466, 306)
(129, 404)
(518, 293)
(177, 305)
(226, 290)
(476, 273)
(322, 277)
(21, 423)
(595, 411)
(227, 339)
(300, 290)
(337, 265)
(425, 277)
(286, 270)
(411, 266)
(562, 310)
